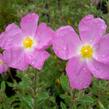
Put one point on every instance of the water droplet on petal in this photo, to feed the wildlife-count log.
(64, 48)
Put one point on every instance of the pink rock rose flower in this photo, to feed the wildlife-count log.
(25, 45)
(87, 54)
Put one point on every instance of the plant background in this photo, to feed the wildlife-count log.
(49, 88)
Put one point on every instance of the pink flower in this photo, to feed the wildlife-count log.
(88, 54)
(26, 45)
(3, 65)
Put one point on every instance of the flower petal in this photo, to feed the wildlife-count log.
(44, 35)
(2, 40)
(16, 58)
(79, 75)
(3, 66)
(102, 50)
(13, 27)
(11, 37)
(38, 58)
(91, 29)
(98, 69)
(29, 24)
(65, 42)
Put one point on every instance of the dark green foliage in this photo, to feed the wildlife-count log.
(49, 88)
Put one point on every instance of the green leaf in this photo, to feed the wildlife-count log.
(27, 101)
(3, 86)
(66, 98)
(63, 106)
(86, 100)
(101, 105)
(42, 96)
(64, 82)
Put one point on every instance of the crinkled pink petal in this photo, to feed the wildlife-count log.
(98, 69)
(11, 37)
(65, 42)
(91, 29)
(38, 58)
(3, 67)
(78, 74)
(29, 24)
(16, 58)
(13, 27)
(102, 50)
(44, 36)
(2, 40)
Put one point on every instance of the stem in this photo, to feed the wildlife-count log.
(35, 84)
(59, 4)
(72, 94)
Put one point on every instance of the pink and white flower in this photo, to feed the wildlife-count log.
(25, 45)
(87, 54)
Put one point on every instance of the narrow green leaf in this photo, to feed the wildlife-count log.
(63, 106)
(64, 82)
(3, 86)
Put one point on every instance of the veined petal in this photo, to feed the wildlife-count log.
(65, 42)
(29, 24)
(13, 27)
(91, 29)
(102, 49)
(3, 65)
(78, 74)
(38, 58)
(98, 69)
(11, 37)
(44, 36)
(16, 58)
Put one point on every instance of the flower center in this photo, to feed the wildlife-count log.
(28, 42)
(86, 51)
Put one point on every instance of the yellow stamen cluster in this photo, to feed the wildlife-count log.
(86, 51)
(27, 42)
